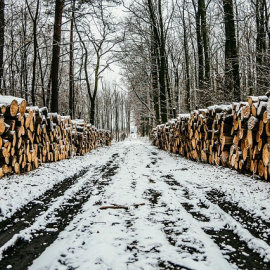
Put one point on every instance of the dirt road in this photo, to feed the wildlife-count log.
(172, 214)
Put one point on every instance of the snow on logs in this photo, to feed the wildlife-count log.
(235, 135)
(30, 136)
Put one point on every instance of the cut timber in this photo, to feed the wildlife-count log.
(241, 165)
(11, 137)
(262, 98)
(260, 168)
(252, 99)
(225, 140)
(3, 108)
(262, 108)
(267, 128)
(224, 158)
(254, 108)
(245, 112)
(17, 168)
(264, 118)
(204, 157)
(253, 123)
(2, 126)
(22, 105)
(250, 138)
(6, 169)
(261, 127)
(268, 109)
(266, 154)
(11, 105)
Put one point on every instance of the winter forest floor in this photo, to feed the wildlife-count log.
(177, 214)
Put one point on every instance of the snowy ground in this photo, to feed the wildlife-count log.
(187, 215)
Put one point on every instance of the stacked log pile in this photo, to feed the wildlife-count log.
(235, 135)
(30, 136)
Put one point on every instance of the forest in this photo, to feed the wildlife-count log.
(142, 62)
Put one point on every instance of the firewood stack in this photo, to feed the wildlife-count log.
(235, 136)
(30, 136)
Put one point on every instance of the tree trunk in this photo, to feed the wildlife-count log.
(24, 58)
(232, 77)
(199, 45)
(154, 80)
(35, 47)
(205, 42)
(159, 40)
(162, 70)
(2, 39)
(260, 46)
(71, 75)
(41, 79)
(169, 92)
(59, 6)
(188, 103)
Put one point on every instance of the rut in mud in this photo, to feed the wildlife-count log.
(174, 218)
(22, 253)
(26, 216)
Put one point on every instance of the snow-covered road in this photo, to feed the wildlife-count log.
(179, 214)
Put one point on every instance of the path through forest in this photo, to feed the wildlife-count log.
(173, 214)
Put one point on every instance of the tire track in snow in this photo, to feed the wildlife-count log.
(177, 234)
(235, 250)
(30, 243)
(27, 214)
(257, 227)
(154, 196)
(179, 212)
(232, 246)
(171, 228)
(245, 252)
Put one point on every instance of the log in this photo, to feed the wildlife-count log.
(262, 108)
(253, 123)
(261, 168)
(252, 99)
(266, 154)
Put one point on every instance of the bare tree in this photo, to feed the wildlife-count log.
(59, 6)
(103, 40)
(71, 65)
(2, 42)
(232, 78)
(34, 18)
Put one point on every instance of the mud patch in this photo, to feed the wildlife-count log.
(153, 196)
(171, 266)
(195, 214)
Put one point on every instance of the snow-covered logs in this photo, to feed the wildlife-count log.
(235, 136)
(30, 136)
